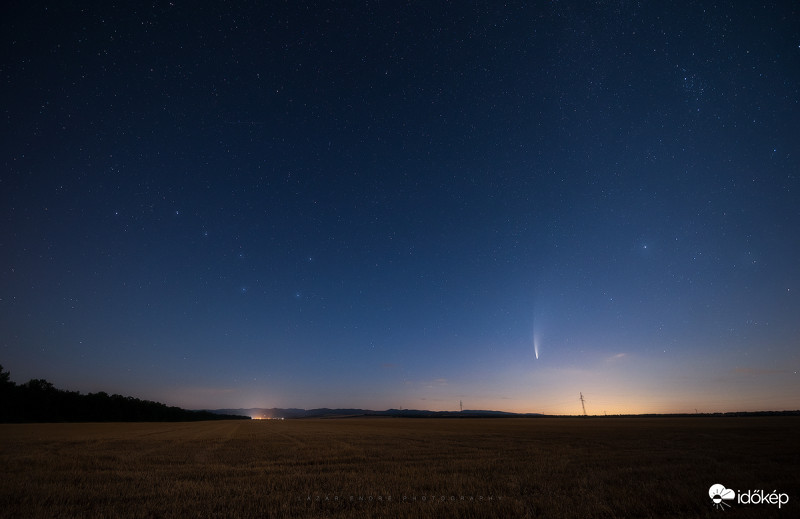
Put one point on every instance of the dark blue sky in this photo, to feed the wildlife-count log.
(386, 204)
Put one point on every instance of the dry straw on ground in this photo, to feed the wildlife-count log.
(398, 468)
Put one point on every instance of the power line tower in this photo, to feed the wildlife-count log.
(583, 405)
(461, 405)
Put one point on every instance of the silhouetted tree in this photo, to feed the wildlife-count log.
(39, 401)
(5, 377)
(6, 393)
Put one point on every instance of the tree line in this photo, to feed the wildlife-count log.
(39, 401)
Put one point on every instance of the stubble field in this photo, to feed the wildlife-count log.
(399, 468)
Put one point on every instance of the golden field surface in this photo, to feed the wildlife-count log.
(399, 467)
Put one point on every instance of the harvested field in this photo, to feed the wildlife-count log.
(399, 467)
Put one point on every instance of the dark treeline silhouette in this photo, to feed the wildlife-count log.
(39, 401)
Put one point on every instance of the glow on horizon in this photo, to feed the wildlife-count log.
(616, 381)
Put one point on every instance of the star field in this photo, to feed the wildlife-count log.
(380, 205)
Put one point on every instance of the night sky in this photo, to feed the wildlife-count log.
(403, 204)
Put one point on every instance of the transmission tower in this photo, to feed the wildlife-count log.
(583, 405)
(461, 405)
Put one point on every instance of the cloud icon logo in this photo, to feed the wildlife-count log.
(719, 494)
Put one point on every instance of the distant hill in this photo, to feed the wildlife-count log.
(39, 401)
(341, 413)
(261, 413)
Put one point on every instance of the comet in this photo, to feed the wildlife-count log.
(537, 329)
